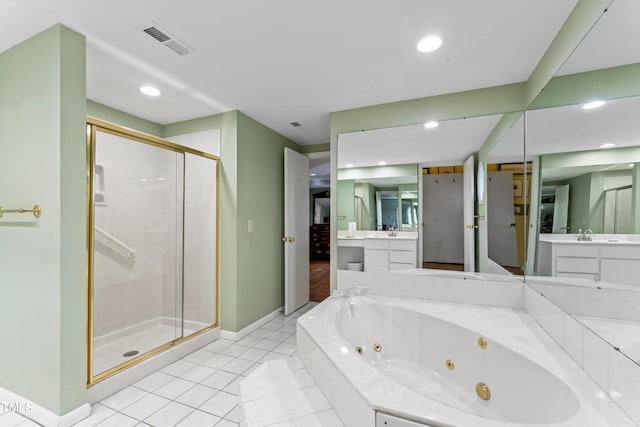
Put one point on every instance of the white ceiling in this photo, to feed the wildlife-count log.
(564, 129)
(570, 128)
(451, 143)
(612, 41)
(284, 60)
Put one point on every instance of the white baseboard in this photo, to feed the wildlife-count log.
(135, 373)
(236, 336)
(41, 415)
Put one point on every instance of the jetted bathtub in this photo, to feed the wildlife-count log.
(388, 361)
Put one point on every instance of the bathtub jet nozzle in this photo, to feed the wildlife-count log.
(483, 392)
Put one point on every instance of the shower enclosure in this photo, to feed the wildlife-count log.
(152, 243)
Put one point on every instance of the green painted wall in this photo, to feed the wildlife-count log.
(314, 148)
(43, 304)
(368, 194)
(261, 198)
(251, 187)
(579, 203)
(103, 112)
(345, 204)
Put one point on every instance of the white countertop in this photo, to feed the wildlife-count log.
(361, 235)
(598, 239)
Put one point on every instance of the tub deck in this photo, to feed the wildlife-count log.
(357, 390)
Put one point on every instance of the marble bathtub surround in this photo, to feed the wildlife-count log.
(359, 390)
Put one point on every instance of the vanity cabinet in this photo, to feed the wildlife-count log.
(390, 254)
(616, 262)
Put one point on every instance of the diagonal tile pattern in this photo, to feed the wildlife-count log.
(203, 388)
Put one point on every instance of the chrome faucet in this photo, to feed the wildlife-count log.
(586, 236)
(392, 232)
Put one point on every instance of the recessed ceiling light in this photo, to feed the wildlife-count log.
(150, 90)
(144, 180)
(431, 125)
(429, 44)
(161, 179)
(348, 165)
(608, 145)
(312, 174)
(593, 104)
(631, 165)
(382, 163)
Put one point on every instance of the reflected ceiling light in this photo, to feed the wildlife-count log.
(144, 180)
(431, 125)
(429, 44)
(312, 174)
(150, 90)
(593, 104)
(608, 145)
(161, 179)
(348, 165)
(631, 165)
(382, 163)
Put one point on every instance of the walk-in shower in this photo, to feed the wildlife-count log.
(152, 243)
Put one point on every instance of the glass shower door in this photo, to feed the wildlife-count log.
(200, 244)
(138, 192)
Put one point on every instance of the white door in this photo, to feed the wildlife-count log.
(296, 230)
(501, 220)
(561, 210)
(442, 213)
(468, 179)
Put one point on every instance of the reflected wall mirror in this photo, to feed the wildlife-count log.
(420, 188)
(584, 234)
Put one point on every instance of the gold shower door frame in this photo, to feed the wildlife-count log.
(92, 126)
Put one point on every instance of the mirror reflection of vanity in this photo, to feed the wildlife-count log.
(583, 252)
(420, 188)
(376, 220)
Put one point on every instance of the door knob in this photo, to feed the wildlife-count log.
(288, 239)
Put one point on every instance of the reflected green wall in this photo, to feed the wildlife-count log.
(345, 206)
(43, 304)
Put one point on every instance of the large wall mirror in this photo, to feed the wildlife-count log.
(507, 203)
(406, 195)
(584, 240)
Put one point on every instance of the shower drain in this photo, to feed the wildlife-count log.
(130, 353)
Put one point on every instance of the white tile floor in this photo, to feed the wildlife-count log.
(281, 393)
(202, 389)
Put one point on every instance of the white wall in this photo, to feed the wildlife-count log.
(139, 209)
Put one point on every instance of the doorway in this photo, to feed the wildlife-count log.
(319, 220)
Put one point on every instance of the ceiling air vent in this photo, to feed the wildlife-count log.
(167, 39)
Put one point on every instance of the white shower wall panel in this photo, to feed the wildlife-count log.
(139, 210)
(200, 240)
